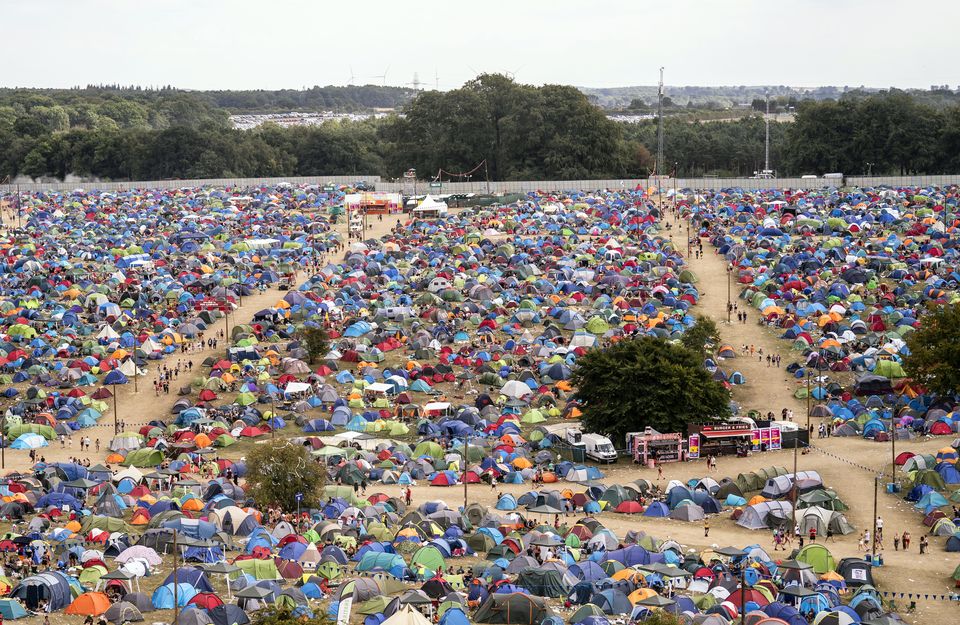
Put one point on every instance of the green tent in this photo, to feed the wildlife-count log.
(143, 458)
(329, 570)
(105, 523)
(889, 369)
(259, 568)
(15, 430)
(544, 582)
(596, 325)
(817, 556)
(515, 608)
(429, 557)
(429, 448)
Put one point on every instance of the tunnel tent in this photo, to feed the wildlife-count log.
(514, 608)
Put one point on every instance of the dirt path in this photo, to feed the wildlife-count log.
(140, 406)
(771, 389)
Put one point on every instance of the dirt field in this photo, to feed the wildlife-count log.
(766, 389)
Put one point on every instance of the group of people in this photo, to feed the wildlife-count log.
(85, 443)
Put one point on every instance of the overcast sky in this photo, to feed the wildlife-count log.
(271, 44)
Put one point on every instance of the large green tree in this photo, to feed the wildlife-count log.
(701, 335)
(278, 470)
(645, 382)
(934, 358)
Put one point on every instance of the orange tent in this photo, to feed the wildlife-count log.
(193, 505)
(73, 526)
(202, 440)
(114, 459)
(640, 594)
(89, 603)
(522, 463)
(140, 517)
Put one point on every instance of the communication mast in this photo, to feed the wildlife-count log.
(659, 165)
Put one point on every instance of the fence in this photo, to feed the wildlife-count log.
(526, 186)
(177, 184)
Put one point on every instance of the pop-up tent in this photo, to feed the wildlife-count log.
(514, 608)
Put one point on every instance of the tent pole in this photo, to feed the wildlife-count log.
(876, 485)
(796, 499)
(176, 603)
(466, 447)
(116, 416)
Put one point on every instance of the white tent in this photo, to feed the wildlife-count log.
(407, 615)
(431, 207)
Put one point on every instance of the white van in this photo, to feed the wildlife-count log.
(598, 448)
(397, 312)
(438, 284)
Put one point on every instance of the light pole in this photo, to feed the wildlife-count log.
(876, 484)
(793, 511)
(466, 448)
(240, 284)
(729, 304)
(116, 420)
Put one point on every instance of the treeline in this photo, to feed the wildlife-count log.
(204, 152)
(517, 131)
(878, 133)
(491, 127)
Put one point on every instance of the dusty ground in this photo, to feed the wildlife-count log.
(766, 389)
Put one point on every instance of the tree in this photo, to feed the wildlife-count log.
(646, 382)
(273, 615)
(701, 335)
(934, 358)
(316, 342)
(278, 470)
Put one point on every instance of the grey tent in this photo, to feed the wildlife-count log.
(107, 505)
(822, 519)
(140, 600)
(123, 612)
(687, 512)
(512, 609)
(544, 582)
(194, 616)
(764, 515)
(780, 486)
(51, 587)
(856, 572)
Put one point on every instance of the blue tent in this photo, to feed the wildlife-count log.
(162, 598)
(507, 502)
(190, 575)
(11, 609)
(454, 616)
(657, 509)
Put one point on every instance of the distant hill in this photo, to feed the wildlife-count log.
(721, 97)
(348, 99)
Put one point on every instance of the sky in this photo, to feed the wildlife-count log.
(275, 44)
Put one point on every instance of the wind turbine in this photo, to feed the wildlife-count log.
(351, 76)
(383, 76)
(512, 75)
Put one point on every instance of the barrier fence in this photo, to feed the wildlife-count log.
(513, 186)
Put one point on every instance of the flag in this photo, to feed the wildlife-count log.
(343, 611)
